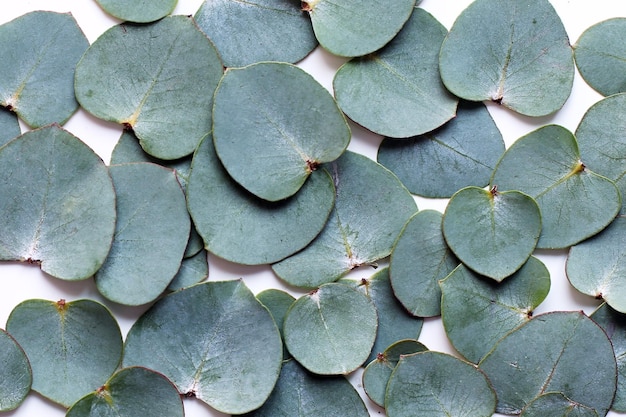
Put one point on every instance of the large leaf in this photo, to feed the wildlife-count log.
(73, 347)
(555, 404)
(156, 79)
(57, 205)
(370, 210)
(513, 52)
(214, 341)
(258, 30)
(15, 374)
(273, 125)
(40, 51)
(551, 353)
(141, 11)
(397, 91)
(9, 126)
(261, 231)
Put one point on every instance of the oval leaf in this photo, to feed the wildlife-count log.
(192, 270)
(557, 405)
(278, 303)
(141, 11)
(9, 126)
(15, 374)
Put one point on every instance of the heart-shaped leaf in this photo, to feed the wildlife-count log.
(370, 210)
(259, 30)
(513, 52)
(556, 404)
(9, 126)
(15, 373)
(40, 51)
(278, 303)
(156, 79)
(461, 153)
(73, 347)
(331, 330)
(397, 91)
(195, 336)
(142, 11)
(57, 205)
(491, 232)
(287, 124)
(193, 270)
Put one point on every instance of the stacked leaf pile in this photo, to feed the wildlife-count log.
(231, 149)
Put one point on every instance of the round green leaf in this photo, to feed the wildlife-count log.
(300, 393)
(438, 385)
(397, 91)
(196, 338)
(73, 347)
(277, 302)
(348, 28)
(597, 266)
(151, 234)
(131, 392)
(371, 207)
(286, 125)
(461, 153)
(9, 126)
(262, 231)
(258, 30)
(15, 374)
(193, 270)
(40, 51)
(491, 232)
(420, 258)
(472, 305)
(331, 330)
(551, 353)
(555, 404)
(57, 205)
(513, 52)
(546, 165)
(141, 11)
(601, 56)
(156, 79)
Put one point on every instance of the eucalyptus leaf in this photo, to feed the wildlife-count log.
(546, 165)
(550, 353)
(287, 124)
(259, 30)
(193, 270)
(156, 79)
(15, 374)
(261, 232)
(9, 126)
(57, 205)
(371, 207)
(473, 305)
(421, 258)
(397, 91)
(142, 11)
(214, 341)
(278, 303)
(437, 164)
(513, 52)
(73, 347)
(40, 51)
(555, 404)
(331, 330)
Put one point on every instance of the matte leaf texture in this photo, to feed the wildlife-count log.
(278, 303)
(597, 266)
(331, 330)
(377, 373)
(438, 385)
(555, 404)
(261, 232)
(601, 57)
(394, 322)
(39, 53)
(550, 353)
(473, 305)
(214, 341)
(9, 126)
(131, 392)
(575, 202)
(57, 205)
(286, 125)
(15, 373)
(142, 11)
(492, 232)
(156, 79)
(437, 164)
(421, 258)
(370, 210)
(193, 270)
(259, 30)
(300, 393)
(513, 52)
(146, 252)
(348, 28)
(73, 347)
(397, 91)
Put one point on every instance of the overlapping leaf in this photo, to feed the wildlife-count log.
(15, 374)
(142, 11)
(556, 404)
(193, 270)
(9, 126)
(278, 303)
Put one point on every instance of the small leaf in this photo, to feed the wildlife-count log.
(278, 303)
(9, 126)
(557, 405)
(192, 270)
(142, 11)
(15, 374)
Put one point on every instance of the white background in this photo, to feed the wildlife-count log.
(20, 282)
